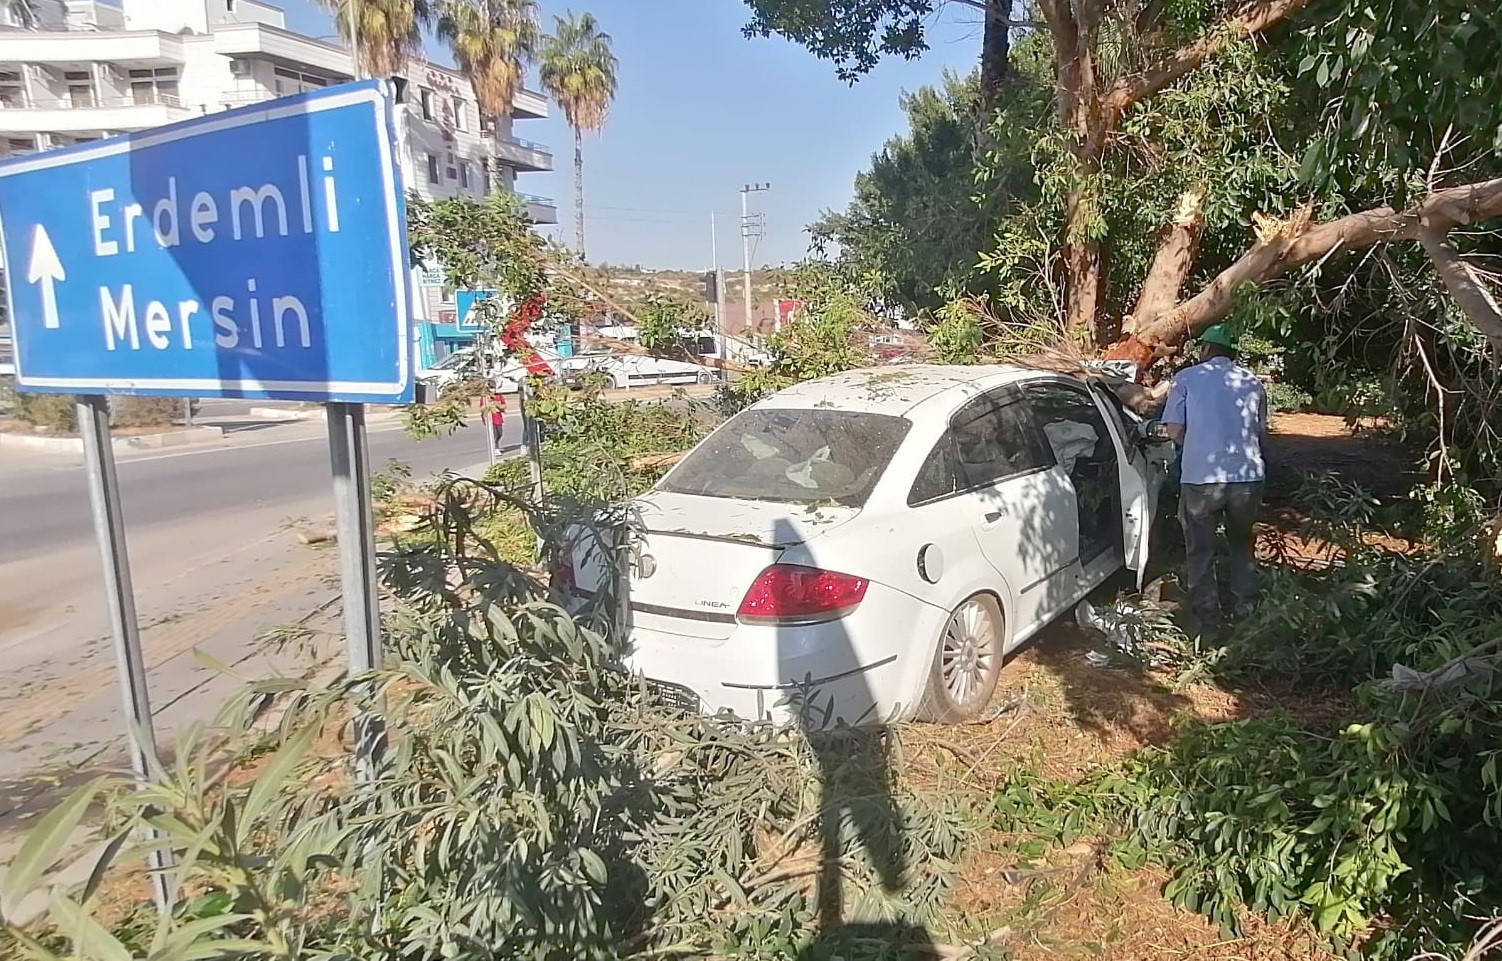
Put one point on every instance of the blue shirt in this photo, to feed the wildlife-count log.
(1223, 409)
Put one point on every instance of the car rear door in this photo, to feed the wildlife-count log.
(990, 473)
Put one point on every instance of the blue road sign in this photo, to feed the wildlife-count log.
(260, 252)
(464, 302)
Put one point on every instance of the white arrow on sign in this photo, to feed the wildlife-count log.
(47, 270)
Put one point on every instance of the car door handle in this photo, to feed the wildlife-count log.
(996, 515)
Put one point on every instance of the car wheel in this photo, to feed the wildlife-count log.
(705, 377)
(620, 381)
(967, 662)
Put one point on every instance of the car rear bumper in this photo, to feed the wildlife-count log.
(864, 669)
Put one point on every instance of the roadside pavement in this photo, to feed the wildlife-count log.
(217, 567)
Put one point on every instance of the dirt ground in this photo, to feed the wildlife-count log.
(1066, 716)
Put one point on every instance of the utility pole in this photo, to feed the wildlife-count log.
(719, 289)
(752, 226)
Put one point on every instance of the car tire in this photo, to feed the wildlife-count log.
(966, 663)
(705, 377)
(620, 381)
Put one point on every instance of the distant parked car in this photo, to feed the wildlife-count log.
(636, 370)
(869, 546)
(463, 363)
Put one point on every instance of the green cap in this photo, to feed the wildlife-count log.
(1221, 334)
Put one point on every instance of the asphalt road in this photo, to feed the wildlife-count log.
(44, 503)
(216, 564)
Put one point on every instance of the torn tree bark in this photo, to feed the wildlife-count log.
(1177, 247)
(1282, 247)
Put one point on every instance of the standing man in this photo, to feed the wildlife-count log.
(1217, 414)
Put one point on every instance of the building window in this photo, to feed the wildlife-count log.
(459, 119)
(427, 104)
(432, 168)
(154, 86)
(80, 88)
(464, 174)
(487, 124)
(295, 81)
(17, 146)
(12, 93)
(489, 185)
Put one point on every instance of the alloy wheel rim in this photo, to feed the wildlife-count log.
(970, 649)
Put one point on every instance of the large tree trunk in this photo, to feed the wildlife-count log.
(1286, 245)
(995, 50)
(1090, 114)
(1079, 104)
(579, 192)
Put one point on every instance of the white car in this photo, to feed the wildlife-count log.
(638, 370)
(868, 547)
(462, 363)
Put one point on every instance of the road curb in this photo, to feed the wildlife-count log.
(74, 445)
(319, 414)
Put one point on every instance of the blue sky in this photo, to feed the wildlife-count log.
(702, 110)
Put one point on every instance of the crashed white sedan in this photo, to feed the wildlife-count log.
(867, 547)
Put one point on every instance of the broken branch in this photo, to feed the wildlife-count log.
(1281, 248)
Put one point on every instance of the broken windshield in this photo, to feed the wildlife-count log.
(796, 456)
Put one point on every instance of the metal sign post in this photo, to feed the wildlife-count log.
(109, 526)
(354, 521)
(532, 438)
(255, 253)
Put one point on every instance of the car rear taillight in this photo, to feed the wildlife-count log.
(793, 594)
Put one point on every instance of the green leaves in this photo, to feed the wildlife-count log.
(44, 846)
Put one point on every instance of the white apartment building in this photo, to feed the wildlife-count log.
(92, 69)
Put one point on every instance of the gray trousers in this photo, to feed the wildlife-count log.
(1201, 509)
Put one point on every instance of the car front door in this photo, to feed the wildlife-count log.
(1086, 452)
(990, 471)
(1141, 482)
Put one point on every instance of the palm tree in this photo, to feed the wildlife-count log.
(578, 69)
(492, 41)
(27, 14)
(390, 31)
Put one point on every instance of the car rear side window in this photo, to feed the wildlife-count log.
(991, 439)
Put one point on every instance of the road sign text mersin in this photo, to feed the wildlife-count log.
(259, 252)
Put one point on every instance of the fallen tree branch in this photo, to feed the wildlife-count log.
(1284, 246)
(1466, 289)
(1177, 247)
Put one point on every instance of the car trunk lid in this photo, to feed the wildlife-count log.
(698, 555)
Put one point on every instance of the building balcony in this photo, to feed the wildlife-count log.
(281, 47)
(522, 154)
(540, 210)
(529, 104)
(96, 114)
(145, 47)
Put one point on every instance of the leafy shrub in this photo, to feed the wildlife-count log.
(52, 411)
(1383, 827)
(1286, 398)
(533, 802)
(138, 412)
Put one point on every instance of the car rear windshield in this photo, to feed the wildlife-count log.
(795, 456)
